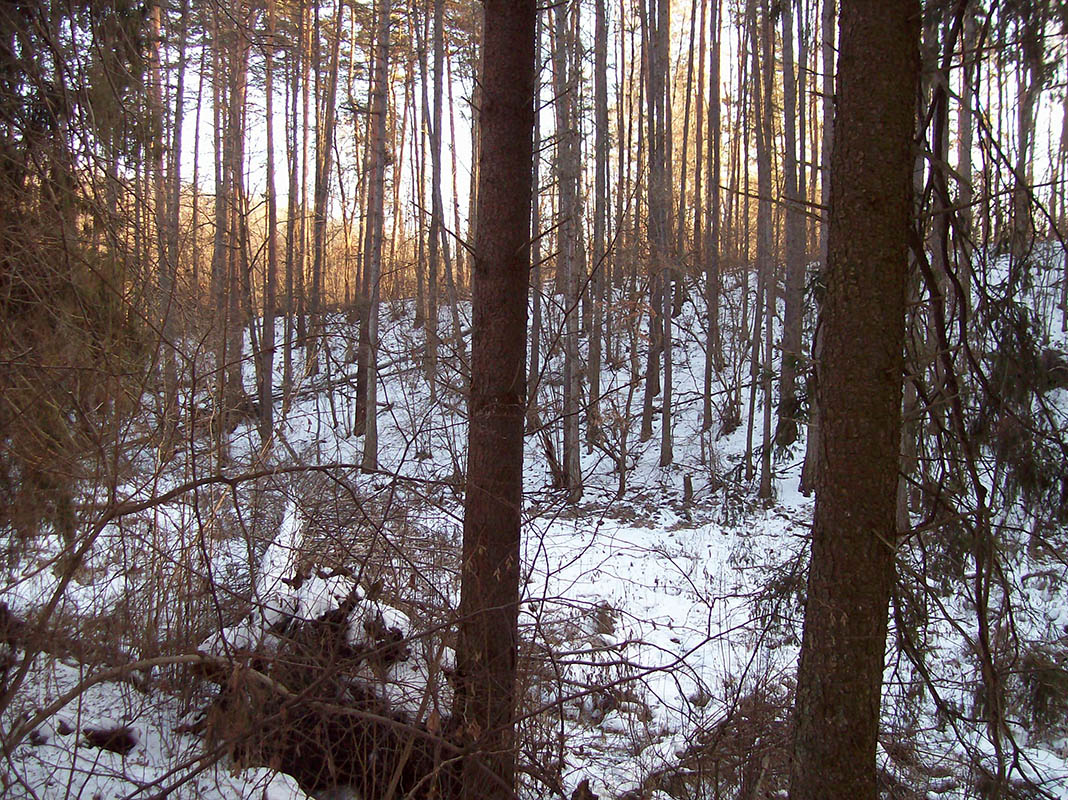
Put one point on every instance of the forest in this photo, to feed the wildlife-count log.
(637, 399)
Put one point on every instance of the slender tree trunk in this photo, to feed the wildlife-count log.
(420, 30)
(534, 373)
(295, 60)
(567, 232)
(713, 246)
(600, 219)
(219, 283)
(487, 647)
(166, 271)
(367, 360)
(305, 127)
(762, 84)
(437, 210)
(656, 103)
(270, 287)
(853, 542)
(793, 312)
(811, 467)
(326, 100)
(966, 125)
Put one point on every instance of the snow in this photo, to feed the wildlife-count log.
(644, 624)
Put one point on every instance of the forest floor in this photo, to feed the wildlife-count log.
(660, 627)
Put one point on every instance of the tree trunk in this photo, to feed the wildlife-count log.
(599, 285)
(165, 254)
(367, 359)
(811, 467)
(567, 263)
(534, 372)
(487, 646)
(853, 540)
(324, 159)
(713, 247)
(786, 432)
(270, 287)
(765, 256)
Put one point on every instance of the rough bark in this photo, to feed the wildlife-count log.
(489, 603)
(859, 395)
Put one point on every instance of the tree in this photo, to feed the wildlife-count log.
(489, 601)
(786, 434)
(367, 359)
(568, 262)
(859, 396)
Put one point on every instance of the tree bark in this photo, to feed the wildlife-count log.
(786, 431)
(763, 78)
(811, 466)
(567, 262)
(599, 285)
(853, 540)
(489, 603)
(367, 358)
(270, 288)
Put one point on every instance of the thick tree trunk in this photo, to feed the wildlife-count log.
(852, 565)
(486, 650)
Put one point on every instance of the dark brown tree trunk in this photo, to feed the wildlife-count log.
(270, 288)
(534, 372)
(295, 59)
(811, 467)
(437, 209)
(565, 83)
(654, 18)
(326, 101)
(852, 565)
(713, 247)
(599, 285)
(489, 602)
(765, 256)
(786, 432)
(367, 358)
(166, 261)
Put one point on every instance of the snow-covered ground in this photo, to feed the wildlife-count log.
(660, 633)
